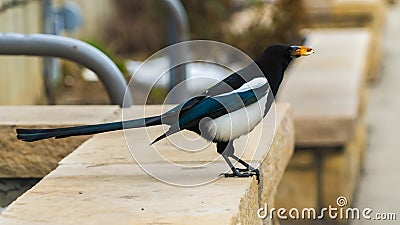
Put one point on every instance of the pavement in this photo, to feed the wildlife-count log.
(379, 187)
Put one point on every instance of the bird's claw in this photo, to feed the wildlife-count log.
(241, 170)
(236, 175)
(238, 172)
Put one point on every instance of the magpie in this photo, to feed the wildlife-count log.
(221, 114)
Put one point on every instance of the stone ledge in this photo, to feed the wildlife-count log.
(34, 160)
(328, 95)
(340, 171)
(327, 89)
(100, 191)
(353, 13)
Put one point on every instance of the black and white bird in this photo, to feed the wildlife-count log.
(221, 114)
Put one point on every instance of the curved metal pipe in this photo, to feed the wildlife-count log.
(179, 16)
(178, 31)
(72, 49)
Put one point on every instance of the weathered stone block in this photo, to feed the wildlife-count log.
(327, 90)
(34, 160)
(352, 13)
(108, 189)
(340, 170)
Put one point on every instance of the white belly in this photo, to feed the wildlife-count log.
(237, 123)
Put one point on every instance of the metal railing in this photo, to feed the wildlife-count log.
(72, 49)
(86, 55)
(178, 31)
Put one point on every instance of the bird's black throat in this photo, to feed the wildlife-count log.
(273, 64)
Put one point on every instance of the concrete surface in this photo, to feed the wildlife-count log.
(11, 189)
(352, 13)
(380, 183)
(326, 89)
(35, 160)
(99, 183)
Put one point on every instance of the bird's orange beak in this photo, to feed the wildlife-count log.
(298, 51)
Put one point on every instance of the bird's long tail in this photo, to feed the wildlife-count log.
(31, 135)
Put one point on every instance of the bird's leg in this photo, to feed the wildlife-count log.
(248, 166)
(235, 171)
(226, 149)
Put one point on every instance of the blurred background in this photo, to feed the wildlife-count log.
(129, 31)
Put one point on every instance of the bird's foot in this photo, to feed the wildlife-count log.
(242, 170)
(238, 172)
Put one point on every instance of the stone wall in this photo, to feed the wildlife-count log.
(103, 184)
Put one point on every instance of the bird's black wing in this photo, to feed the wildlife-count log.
(214, 107)
(234, 81)
(172, 115)
(230, 83)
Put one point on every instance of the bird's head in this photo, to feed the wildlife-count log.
(298, 51)
(280, 56)
(276, 59)
(284, 53)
